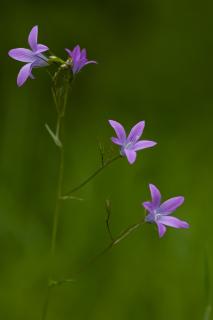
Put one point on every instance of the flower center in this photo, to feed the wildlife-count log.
(128, 145)
(40, 60)
(156, 214)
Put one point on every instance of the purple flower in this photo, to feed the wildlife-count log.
(33, 58)
(129, 145)
(160, 213)
(78, 59)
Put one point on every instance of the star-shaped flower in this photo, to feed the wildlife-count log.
(78, 59)
(33, 58)
(131, 144)
(160, 213)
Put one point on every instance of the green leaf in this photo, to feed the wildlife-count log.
(53, 136)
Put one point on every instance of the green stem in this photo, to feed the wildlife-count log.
(56, 215)
(46, 304)
(91, 177)
(58, 198)
(123, 235)
(61, 107)
(58, 126)
(207, 313)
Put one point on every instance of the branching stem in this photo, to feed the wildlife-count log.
(123, 235)
(91, 177)
(60, 100)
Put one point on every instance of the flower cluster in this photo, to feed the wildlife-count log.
(36, 57)
(157, 213)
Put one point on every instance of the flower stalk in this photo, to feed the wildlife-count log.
(62, 83)
(60, 93)
(114, 242)
(90, 178)
(58, 198)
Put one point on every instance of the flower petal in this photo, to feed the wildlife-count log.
(24, 74)
(131, 155)
(22, 54)
(148, 206)
(69, 52)
(161, 229)
(136, 132)
(32, 76)
(173, 222)
(82, 63)
(143, 144)
(75, 67)
(76, 53)
(83, 54)
(171, 205)
(78, 65)
(156, 195)
(41, 48)
(116, 141)
(33, 38)
(39, 61)
(90, 62)
(119, 130)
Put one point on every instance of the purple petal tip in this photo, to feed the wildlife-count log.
(185, 225)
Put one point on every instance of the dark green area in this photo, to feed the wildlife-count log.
(155, 63)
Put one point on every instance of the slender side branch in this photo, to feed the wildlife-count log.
(123, 235)
(108, 210)
(91, 177)
(101, 150)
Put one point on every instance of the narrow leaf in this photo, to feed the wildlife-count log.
(53, 136)
(71, 198)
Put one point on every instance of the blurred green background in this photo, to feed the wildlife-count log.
(155, 63)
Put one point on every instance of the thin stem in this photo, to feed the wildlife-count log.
(56, 215)
(58, 198)
(91, 177)
(208, 312)
(123, 235)
(59, 124)
(108, 210)
(46, 303)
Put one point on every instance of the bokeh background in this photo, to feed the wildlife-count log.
(155, 63)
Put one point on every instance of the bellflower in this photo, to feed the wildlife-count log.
(131, 144)
(78, 59)
(160, 213)
(33, 58)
